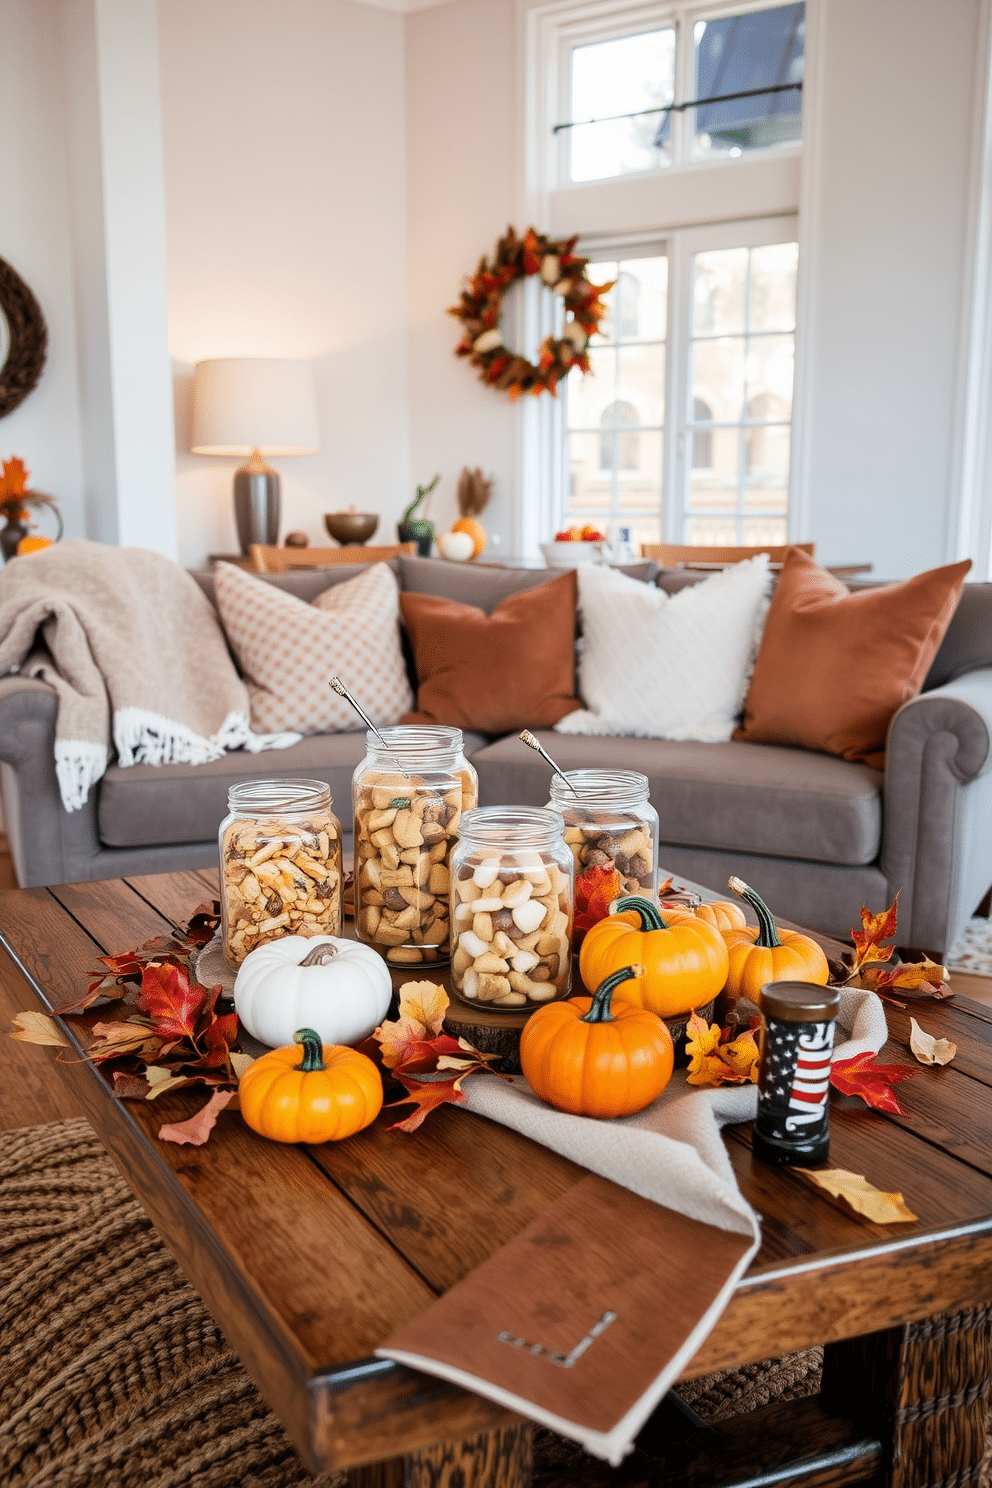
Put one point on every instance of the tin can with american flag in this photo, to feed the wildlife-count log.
(797, 1040)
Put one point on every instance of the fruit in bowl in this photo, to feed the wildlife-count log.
(580, 534)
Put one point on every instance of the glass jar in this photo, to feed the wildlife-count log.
(511, 908)
(610, 823)
(280, 864)
(409, 798)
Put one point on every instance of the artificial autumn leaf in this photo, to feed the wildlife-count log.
(853, 1193)
(925, 977)
(114, 1040)
(14, 480)
(715, 1061)
(595, 891)
(875, 928)
(170, 999)
(130, 1087)
(427, 1095)
(197, 1129)
(239, 1063)
(410, 1040)
(161, 1079)
(927, 1049)
(664, 887)
(861, 1076)
(37, 1028)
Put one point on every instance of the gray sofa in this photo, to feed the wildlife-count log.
(816, 835)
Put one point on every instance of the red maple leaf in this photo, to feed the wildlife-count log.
(170, 999)
(872, 1082)
(595, 891)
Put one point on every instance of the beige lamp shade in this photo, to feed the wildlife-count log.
(241, 404)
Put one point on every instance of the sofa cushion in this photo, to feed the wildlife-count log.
(305, 583)
(834, 666)
(481, 584)
(156, 804)
(511, 669)
(749, 798)
(288, 650)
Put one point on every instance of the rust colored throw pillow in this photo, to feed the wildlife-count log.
(512, 669)
(834, 666)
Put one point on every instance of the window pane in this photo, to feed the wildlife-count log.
(764, 48)
(768, 373)
(719, 292)
(718, 532)
(718, 377)
(591, 488)
(643, 529)
(588, 395)
(620, 77)
(773, 287)
(767, 475)
(639, 300)
(641, 380)
(714, 484)
(772, 530)
(639, 482)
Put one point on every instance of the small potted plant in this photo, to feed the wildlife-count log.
(15, 500)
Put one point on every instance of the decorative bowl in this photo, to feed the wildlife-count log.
(572, 554)
(351, 526)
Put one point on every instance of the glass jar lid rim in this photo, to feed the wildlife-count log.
(516, 826)
(416, 738)
(278, 795)
(592, 785)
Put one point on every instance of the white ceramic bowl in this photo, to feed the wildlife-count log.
(572, 554)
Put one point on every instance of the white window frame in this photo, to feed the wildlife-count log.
(739, 195)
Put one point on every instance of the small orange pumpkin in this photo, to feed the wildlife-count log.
(685, 958)
(768, 953)
(476, 532)
(331, 1093)
(33, 545)
(592, 1059)
(724, 915)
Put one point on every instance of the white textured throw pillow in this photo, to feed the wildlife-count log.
(288, 650)
(666, 666)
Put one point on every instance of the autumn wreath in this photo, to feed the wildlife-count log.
(481, 305)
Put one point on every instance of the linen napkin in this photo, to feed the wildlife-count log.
(585, 1320)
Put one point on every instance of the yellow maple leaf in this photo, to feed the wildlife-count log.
(424, 1003)
(713, 1063)
(853, 1192)
(742, 1056)
(37, 1028)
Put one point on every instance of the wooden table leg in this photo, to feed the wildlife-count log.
(503, 1458)
(930, 1383)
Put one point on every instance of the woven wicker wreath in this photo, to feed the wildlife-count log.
(21, 368)
(481, 306)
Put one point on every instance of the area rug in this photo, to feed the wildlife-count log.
(113, 1375)
(972, 951)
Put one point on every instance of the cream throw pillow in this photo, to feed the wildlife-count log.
(288, 650)
(667, 666)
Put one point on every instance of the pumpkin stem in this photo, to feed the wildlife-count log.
(767, 933)
(601, 1010)
(320, 954)
(313, 1050)
(650, 917)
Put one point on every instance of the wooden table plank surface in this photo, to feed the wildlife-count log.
(382, 1223)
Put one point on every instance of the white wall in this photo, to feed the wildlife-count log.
(887, 262)
(285, 201)
(34, 239)
(462, 113)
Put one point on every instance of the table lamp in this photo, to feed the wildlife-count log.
(254, 406)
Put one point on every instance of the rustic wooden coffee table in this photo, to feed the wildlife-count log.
(310, 1258)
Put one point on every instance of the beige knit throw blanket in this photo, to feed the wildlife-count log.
(135, 653)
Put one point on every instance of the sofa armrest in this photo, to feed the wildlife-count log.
(47, 843)
(936, 843)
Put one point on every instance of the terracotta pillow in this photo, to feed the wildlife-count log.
(497, 673)
(834, 665)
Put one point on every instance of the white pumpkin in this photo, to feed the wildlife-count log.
(339, 988)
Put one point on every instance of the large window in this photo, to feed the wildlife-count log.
(699, 87)
(681, 431)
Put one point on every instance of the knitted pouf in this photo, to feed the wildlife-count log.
(113, 1374)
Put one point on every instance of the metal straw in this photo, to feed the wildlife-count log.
(532, 743)
(342, 691)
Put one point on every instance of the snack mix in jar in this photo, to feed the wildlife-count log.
(610, 823)
(409, 798)
(280, 864)
(511, 908)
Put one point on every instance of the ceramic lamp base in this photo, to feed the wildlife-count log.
(256, 504)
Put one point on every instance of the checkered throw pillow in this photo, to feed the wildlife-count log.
(288, 650)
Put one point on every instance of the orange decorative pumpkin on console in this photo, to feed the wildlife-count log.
(768, 953)
(330, 1093)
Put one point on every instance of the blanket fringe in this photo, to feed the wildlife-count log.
(145, 738)
(79, 764)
